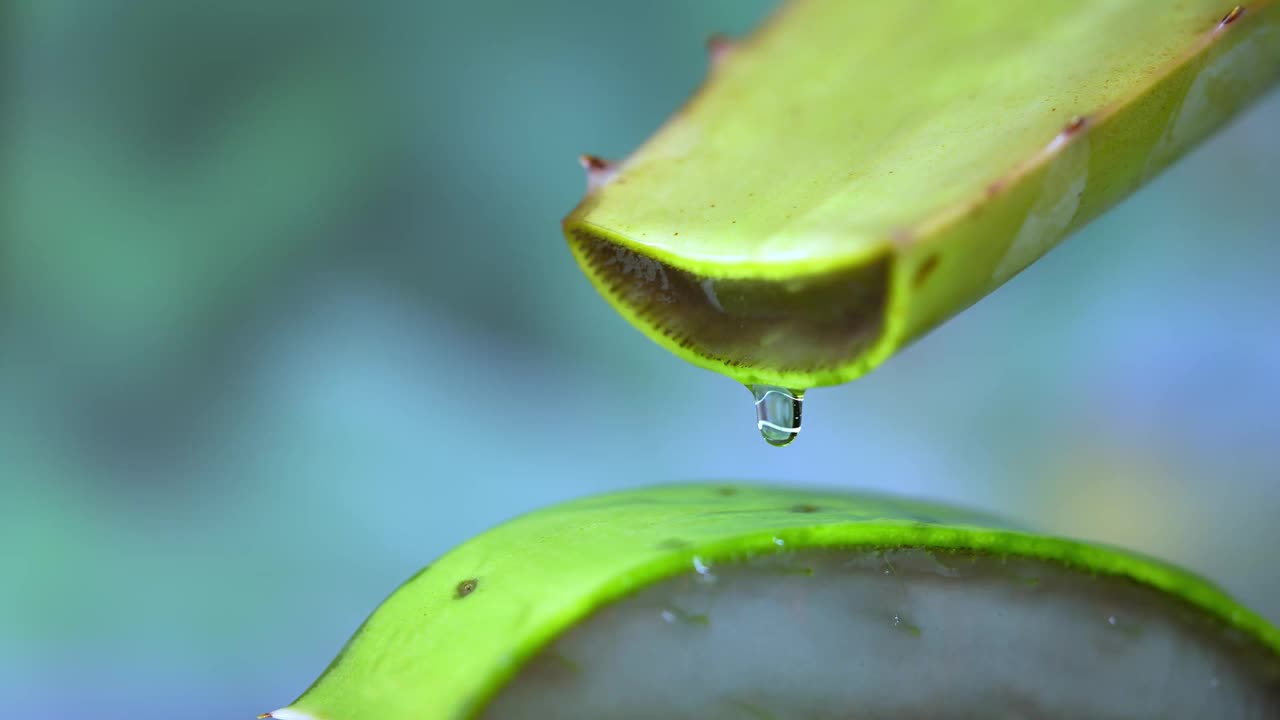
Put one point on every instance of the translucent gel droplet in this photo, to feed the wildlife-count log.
(778, 413)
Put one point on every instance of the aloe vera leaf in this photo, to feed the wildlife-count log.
(855, 173)
(447, 641)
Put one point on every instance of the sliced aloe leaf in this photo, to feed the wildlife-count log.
(741, 601)
(855, 173)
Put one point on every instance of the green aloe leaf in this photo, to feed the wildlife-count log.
(590, 608)
(855, 173)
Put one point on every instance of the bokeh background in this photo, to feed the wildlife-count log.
(285, 313)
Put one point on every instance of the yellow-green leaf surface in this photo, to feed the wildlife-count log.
(452, 636)
(854, 173)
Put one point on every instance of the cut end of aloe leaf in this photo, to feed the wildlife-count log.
(853, 174)
(893, 634)
(803, 325)
(742, 601)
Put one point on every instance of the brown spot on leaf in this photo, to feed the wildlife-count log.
(726, 491)
(804, 508)
(1232, 16)
(466, 587)
(925, 270)
(1075, 125)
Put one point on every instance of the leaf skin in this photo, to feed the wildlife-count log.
(919, 153)
(432, 652)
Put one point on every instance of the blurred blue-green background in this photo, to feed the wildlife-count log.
(285, 312)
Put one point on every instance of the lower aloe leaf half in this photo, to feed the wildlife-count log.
(855, 173)
(734, 601)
